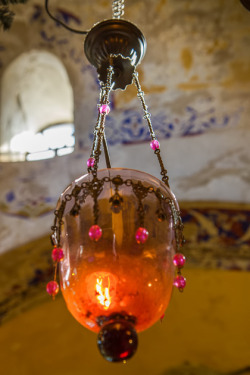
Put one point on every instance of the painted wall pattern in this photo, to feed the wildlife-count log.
(129, 126)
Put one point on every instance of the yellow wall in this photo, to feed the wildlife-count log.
(208, 324)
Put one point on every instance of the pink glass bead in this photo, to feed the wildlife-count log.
(57, 254)
(95, 233)
(104, 109)
(90, 162)
(52, 288)
(179, 282)
(141, 235)
(179, 260)
(155, 144)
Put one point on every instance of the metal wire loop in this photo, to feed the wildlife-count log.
(62, 23)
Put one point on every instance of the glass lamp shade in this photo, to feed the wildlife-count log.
(116, 276)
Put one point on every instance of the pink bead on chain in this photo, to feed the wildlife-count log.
(104, 108)
(95, 233)
(179, 260)
(52, 288)
(180, 282)
(90, 162)
(141, 235)
(155, 145)
(57, 254)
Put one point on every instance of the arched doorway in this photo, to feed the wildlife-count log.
(36, 108)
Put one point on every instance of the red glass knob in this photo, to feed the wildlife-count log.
(117, 341)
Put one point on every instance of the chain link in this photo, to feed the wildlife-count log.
(117, 9)
(178, 226)
(147, 117)
(100, 123)
(94, 189)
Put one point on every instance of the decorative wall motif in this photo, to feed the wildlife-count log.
(217, 237)
(25, 206)
(129, 127)
(222, 227)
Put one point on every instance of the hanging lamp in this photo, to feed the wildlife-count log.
(117, 232)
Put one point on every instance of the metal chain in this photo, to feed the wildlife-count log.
(100, 124)
(95, 187)
(178, 226)
(140, 192)
(57, 226)
(101, 98)
(147, 117)
(118, 9)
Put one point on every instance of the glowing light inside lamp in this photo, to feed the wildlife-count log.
(101, 289)
(102, 293)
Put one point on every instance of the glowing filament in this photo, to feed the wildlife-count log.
(102, 293)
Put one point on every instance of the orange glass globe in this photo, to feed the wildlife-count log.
(115, 274)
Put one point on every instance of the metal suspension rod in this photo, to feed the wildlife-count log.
(106, 151)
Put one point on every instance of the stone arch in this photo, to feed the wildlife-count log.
(36, 108)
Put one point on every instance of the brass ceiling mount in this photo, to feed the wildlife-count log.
(117, 42)
(246, 4)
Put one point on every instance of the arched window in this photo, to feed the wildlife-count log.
(36, 109)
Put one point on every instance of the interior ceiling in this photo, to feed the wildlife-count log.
(196, 77)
